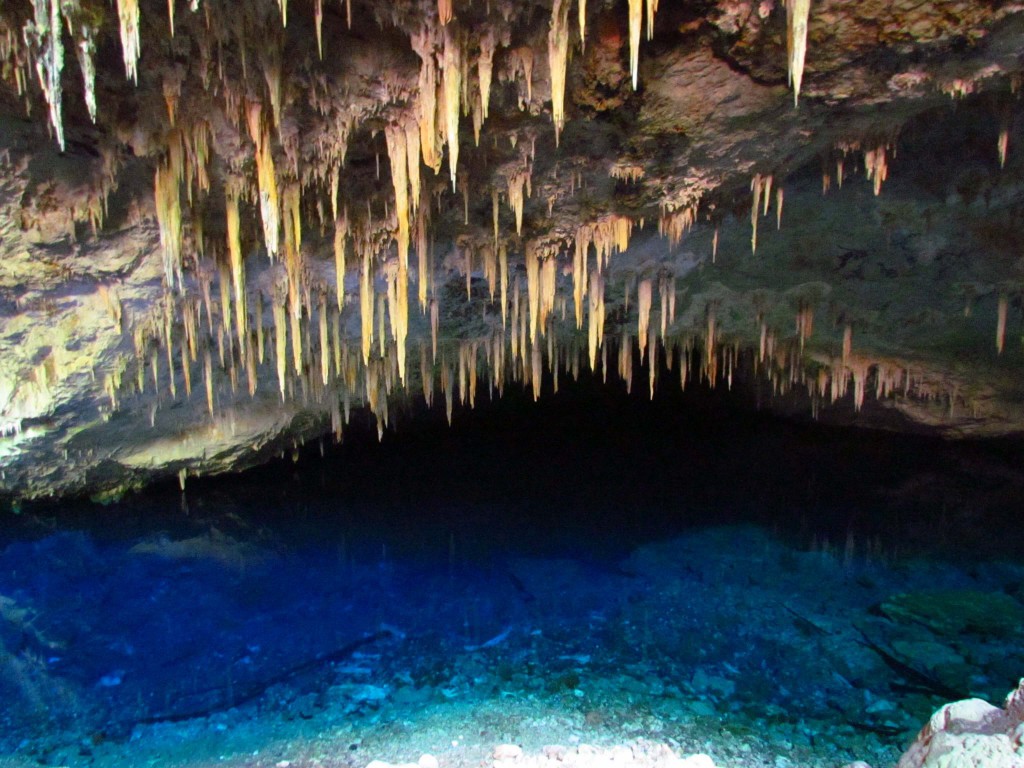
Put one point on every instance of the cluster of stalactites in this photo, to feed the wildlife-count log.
(43, 38)
(608, 235)
(676, 222)
(444, 92)
(519, 188)
(761, 187)
(334, 377)
(876, 166)
(128, 22)
(185, 163)
(630, 173)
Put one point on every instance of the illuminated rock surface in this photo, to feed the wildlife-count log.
(266, 215)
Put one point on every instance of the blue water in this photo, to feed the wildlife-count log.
(378, 603)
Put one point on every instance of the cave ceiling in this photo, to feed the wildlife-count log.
(224, 225)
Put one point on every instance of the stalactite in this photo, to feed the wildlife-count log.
(434, 323)
(318, 20)
(652, 9)
(663, 297)
(477, 111)
(340, 239)
(237, 265)
(85, 50)
(423, 44)
(43, 36)
(426, 377)
(652, 365)
(168, 213)
(280, 312)
(186, 368)
(503, 280)
(224, 325)
(208, 379)
(446, 387)
(290, 200)
(325, 339)
(536, 371)
(400, 317)
(485, 68)
(548, 287)
(626, 361)
(490, 262)
(517, 183)
(521, 60)
(366, 300)
(644, 294)
(467, 270)
(579, 273)
(558, 54)
(260, 347)
(876, 167)
(422, 246)
(779, 198)
(1003, 144)
(595, 327)
(711, 347)
(761, 187)
(1001, 312)
(266, 178)
(714, 246)
(128, 19)
(398, 155)
(283, 6)
(412, 162)
(797, 13)
(804, 322)
(169, 347)
(445, 11)
(451, 78)
(636, 9)
(533, 288)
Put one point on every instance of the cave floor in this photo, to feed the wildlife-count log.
(207, 638)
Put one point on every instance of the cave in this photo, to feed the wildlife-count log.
(512, 383)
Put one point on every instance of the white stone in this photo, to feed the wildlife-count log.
(697, 761)
(507, 752)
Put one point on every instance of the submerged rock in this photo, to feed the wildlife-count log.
(951, 613)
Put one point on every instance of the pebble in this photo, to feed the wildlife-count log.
(507, 752)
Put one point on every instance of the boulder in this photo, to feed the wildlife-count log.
(971, 734)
